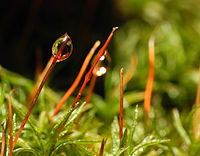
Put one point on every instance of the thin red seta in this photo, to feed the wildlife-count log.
(102, 148)
(149, 86)
(56, 58)
(10, 121)
(34, 90)
(196, 114)
(99, 70)
(77, 80)
(121, 105)
(3, 139)
(34, 101)
(91, 88)
(88, 96)
(89, 74)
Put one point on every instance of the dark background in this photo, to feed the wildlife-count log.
(30, 26)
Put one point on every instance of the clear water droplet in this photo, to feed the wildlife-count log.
(141, 149)
(62, 48)
(103, 64)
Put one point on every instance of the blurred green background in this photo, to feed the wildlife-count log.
(27, 26)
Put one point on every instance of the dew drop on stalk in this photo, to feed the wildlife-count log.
(141, 149)
(62, 48)
(103, 64)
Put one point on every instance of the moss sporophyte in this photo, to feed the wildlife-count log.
(77, 80)
(59, 132)
(61, 50)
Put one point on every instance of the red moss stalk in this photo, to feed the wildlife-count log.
(10, 121)
(121, 105)
(56, 58)
(3, 139)
(88, 96)
(102, 148)
(34, 90)
(89, 74)
(78, 78)
(196, 115)
(149, 86)
(34, 101)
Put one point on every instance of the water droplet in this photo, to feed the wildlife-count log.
(62, 48)
(103, 64)
(141, 149)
